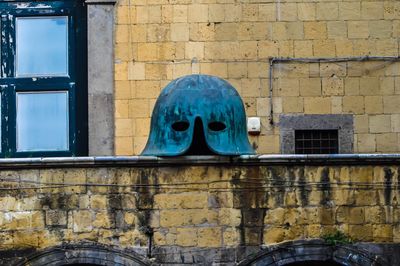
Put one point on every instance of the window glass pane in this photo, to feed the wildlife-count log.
(42, 121)
(42, 46)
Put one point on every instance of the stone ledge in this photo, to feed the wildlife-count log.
(244, 160)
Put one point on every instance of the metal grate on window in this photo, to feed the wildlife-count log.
(316, 142)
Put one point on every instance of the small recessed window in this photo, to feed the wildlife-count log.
(316, 142)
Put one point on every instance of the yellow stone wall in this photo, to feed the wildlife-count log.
(159, 40)
(197, 206)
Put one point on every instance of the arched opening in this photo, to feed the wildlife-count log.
(81, 264)
(315, 263)
(88, 254)
(315, 252)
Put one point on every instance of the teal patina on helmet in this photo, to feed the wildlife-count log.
(198, 114)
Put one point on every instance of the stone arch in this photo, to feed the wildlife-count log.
(84, 254)
(290, 253)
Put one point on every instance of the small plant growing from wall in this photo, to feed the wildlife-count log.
(337, 237)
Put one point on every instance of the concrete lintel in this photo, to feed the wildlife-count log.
(100, 2)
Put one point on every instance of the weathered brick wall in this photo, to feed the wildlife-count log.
(196, 207)
(158, 41)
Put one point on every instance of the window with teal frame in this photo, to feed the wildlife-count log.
(43, 84)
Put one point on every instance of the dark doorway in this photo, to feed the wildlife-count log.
(315, 263)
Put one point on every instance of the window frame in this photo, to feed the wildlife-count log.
(75, 83)
(289, 123)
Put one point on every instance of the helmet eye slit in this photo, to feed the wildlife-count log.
(216, 126)
(180, 126)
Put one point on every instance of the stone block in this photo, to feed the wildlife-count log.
(268, 49)
(231, 237)
(387, 47)
(303, 48)
(154, 13)
(361, 124)
(249, 12)
(391, 104)
(167, 14)
(286, 87)
(229, 217)
(313, 230)
(180, 13)
(142, 127)
(269, 144)
(139, 108)
(122, 34)
(324, 48)
(292, 104)
(332, 86)
(267, 12)
(102, 220)
(147, 51)
(352, 86)
(337, 29)
(82, 221)
(98, 202)
(380, 29)
(248, 49)
(179, 32)
(353, 104)
(180, 217)
(138, 33)
(306, 11)
(327, 11)
(344, 48)
(122, 90)
(366, 143)
(274, 216)
(383, 232)
(158, 33)
(209, 237)
(387, 85)
(372, 10)
(315, 30)
(336, 105)
(215, 69)
(250, 88)
(317, 105)
(258, 70)
(288, 12)
(379, 123)
(148, 89)
(286, 48)
(387, 142)
(194, 50)
(310, 87)
(186, 237)
(123, 146)
(198, 13)
(374, 105)
(349, 10)
(395, 123)
(363, 233)
(273, 235)
(121, 71)
(358, 29)
(123, 127)
(121, 108)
